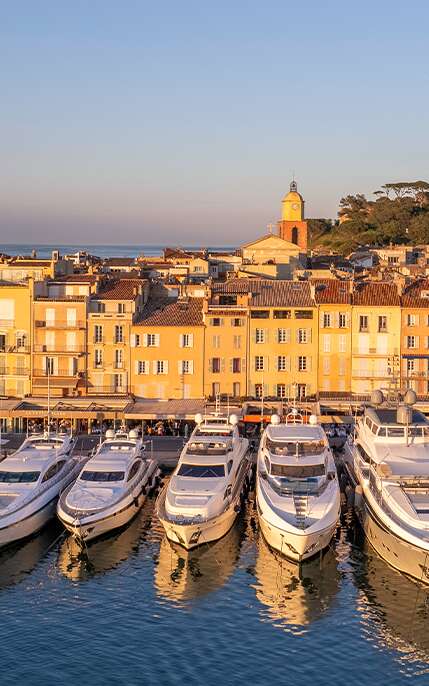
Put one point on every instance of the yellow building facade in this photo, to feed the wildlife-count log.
(16, 306)
(167, 350)
(376, 336)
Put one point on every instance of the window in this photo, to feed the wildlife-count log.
(186, 367)
(216, 341)
(142, 367)
(50, 365)
(326, 365)
(102, 477)
(121, 308)
(119, 334)
(326, 320)
(215, 366)
(134, 469)
(187, 340)
(282, 363)
(283, 335)
(118, 358)
(259, 335)
(236, 365)
(302, 364)
(342, 344)
(98, 334)
(217, 321)
(382, 323)
(411, 319)
(101, 307)
(303, 314)
(411, 341)
(18, 477)
(410, 366)
(303, 335)
(98, 357)
(161, 367)
(137, 340)
(53, 470)
(236, 389)
(237, 342)
(259, 390)
(282, 314)
(363, 322)
(236, 322)
(201, 471)
(326, 341)
(342, 320)
(152, 340)
(281, 390)
(259, 363)
(341, 366)
(117, 381)
(260, 314)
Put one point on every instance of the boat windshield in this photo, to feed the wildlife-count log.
(208, 432)
(295, 447)
(214, 448)
(102, 477)
(18, 477)
(118, 446)
(202, 470)
(297, 471)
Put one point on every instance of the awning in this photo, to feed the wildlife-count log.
(55, 383)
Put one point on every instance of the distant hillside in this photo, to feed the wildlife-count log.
(399, 214)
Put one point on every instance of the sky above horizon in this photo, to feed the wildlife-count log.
(141, 122)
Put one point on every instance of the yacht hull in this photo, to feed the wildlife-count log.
(296, 546)
(87, 528)
(397, 552)
(191, 535)
(29, 525)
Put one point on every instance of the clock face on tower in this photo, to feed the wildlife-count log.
(295, 206)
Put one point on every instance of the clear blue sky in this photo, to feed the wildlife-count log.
(181, 122)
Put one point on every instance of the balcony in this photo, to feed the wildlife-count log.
(107, 390)
(97, 340)
(61, 371)
(57, 349)
(15, 348)
(370, 374)
(14, 371)
(118, 365)
(60, 324)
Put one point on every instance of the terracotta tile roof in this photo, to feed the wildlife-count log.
(375, 293)
(412, 294)
(119, 261)
(169, 312)
(269, 293)
(332, 291)
(121, 289)
(75, 278)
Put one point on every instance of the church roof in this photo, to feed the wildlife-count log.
(286, 245)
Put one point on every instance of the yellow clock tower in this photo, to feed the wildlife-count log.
(292, 226)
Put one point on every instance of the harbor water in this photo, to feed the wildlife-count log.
(135, 610)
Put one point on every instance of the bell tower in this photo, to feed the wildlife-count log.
(292, 226)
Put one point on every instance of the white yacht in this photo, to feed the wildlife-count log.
(110, 489)
(31, 480)
(202, 498)
(388, 462)
(297, 490)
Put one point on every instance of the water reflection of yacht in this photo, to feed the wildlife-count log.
(394, 608)
(104, 553)
(182, 574)
(294, 596)
(18, 560)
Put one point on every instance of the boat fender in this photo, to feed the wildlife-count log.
(136, 501)
(358, 497)
(237, 508)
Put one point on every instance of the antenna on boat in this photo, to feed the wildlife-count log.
(49, 394)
